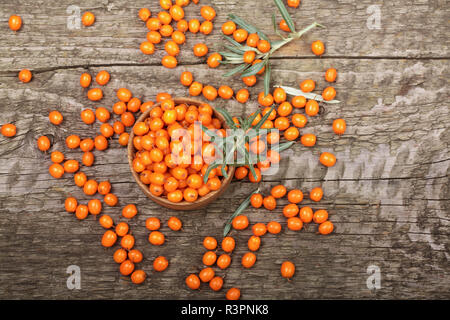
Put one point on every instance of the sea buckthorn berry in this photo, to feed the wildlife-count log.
(152, 224)
(144, 14)
(326, 227)
(299, 120)
(206, 27)
(126, 267)
(259, 229)
(200, 50)
(166, 30)
(228, 28)
(269, 202)
(248, 260)
(182, 26)
(263, 46)
(138, 276)
(164, 17)
(216, 283)
(57, 157)
(256, 200)
(249, 56)
(320, 216)
(193, 282)
(106, 130)
(210, 243)
(106, 221)
(308, 140)
(95, 94)
(291, 133)
(127, 242)
(104, 187)
(156, 238)
(88, 159)
(127, 119)
(194, 25)
(223, 261)
(242, 95)
(8, 130)
(274, 227)
(327, 159)
(88, 19)
(233, 294)
(169, 62)
(15, 22)
(174, 223)
(95, 206)
(82, 212)
(252, 40)
(306, 214)
(208, 13)
(328, 94)
(209, 258)
(123, 139)
(172, 48)
(298, 101)
(307, 85)
(25, 75)
(279, 96)
(129, 211)
(228, 244)
(186, 78)
(147, 47)
(153, 37)
(88, 116)
(312, 108)
(178, 37)
(318, 48)
(284, 109)
(120, 255)
(294, 224)
(182, 3)
(295, 196)
(287, 268)
(100, 143)
(293, 3)
(73, 141)
(43, 143)
(124, 94)
(283, 26)
(176, 12)
(102, 77)
(85, 80)
(118, 127)
(253, 178)
(316, 194)
(265, 100)
(278, 191)
(70, 204)
(165, 4)
(240, 35)
(254, 242)
(56, 170)
(160, 264)
(71, 166)
(209, 92)
(109, 238)
(206, 274)
(214, 60)
(153, 24)
(249, 81)
(330, 75)
(240, 222)
(290, 210)
(55, 117)
(339, 126)
(87, 145)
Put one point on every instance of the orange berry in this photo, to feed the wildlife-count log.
(326, 227)
(15, 22)
(160, 264)
(240, 35)
(316, 194)
(214, 60)
(85, 80)
(312, 108)
(208, 13)
(306, 214)
(88, 19)
(8, 130)
(228, 28)
(294, 224)
(299, 120)
(248, 260)
(169, 62)
(287, 269)
(318, 48)
(144, 14)
(242, 95)
(339, 126)
(55, 117)
(25, 75)
(327, 159)
(330, 75)
(274, 227)
(43, 143)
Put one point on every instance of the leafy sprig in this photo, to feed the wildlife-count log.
(235, 51)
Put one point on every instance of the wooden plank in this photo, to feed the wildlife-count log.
(46, 42)
(387, 195)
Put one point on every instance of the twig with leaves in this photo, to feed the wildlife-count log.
(236, 50)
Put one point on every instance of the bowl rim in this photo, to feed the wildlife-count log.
(183, 205)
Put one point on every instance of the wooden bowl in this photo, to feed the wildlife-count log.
(183, 205)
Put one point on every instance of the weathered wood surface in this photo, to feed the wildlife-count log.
(388, 195)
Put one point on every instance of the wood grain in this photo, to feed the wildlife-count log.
(388, 194)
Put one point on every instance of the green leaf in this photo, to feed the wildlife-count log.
(285, 14)
(227, 116)
(247, 26)
(254, 69)
(307, 95)
(251, 119)
(236, 70)
(235, 49)
(224, 172)
(285, 146)
(232, 41)
(264, 118)
(274, 23)
(267, 80)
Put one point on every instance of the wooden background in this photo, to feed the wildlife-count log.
(388, 194)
